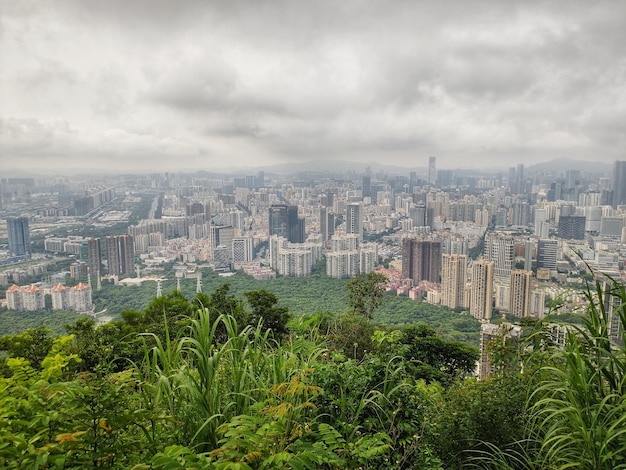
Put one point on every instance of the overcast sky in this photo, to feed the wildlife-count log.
(163, 84)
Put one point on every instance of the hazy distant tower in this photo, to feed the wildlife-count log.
(19, 236)
(354, 219)
(619, 183)
(94, 256)
(432, 171)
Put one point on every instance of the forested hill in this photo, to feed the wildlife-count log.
(228, 381)
(303, 296)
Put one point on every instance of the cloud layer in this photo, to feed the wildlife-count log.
(178, 85)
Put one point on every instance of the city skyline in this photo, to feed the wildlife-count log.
(158, 86)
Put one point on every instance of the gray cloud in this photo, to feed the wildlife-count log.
(250, 83)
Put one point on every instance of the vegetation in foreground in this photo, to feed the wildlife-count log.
(231, 382)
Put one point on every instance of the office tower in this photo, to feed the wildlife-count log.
(593, 217)
(243, 249)
(528, 254)
(501, 250)
(94, 257)
(354, 219)
(120, 255)
(432, 171)
(327, 223)
(295, 226)
(481, 292)
(367, 186)
(519, 293)
(520, 215)
(619, 183)
(19, 236)
(572, 227)
(612, 226)
(278, 220)
(453, 277)
(284, 222)
(547, 254)
(419, 215)
(421, 260)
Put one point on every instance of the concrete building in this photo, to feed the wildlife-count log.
(120, 255)
(19, 236)
(500, 249)
(619, 183)
(354, 219)
(26, 298)
(481, 292)
(421, 260)
(453, 278)
(519, 293)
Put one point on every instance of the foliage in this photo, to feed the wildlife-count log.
(267, 312)
(579, 410)
(365, 293)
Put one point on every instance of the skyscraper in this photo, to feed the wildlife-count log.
(94, 255)
(481, 293)
(432, 171)
(284, 222)
(501, 250)
(278, 220)
(619, 183)
(547, 251)
(519, 293)
(572, 227)
(19, 236)
(354, 219)
(120, 255)
(453, 276)
(327, 223)
(421, 260)
(295, 225)
(367, 186)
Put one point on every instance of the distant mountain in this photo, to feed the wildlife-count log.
(561, 165)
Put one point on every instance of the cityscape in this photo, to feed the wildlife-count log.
(509, 245)
(312, 235)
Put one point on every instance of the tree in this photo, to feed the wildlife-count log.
(264, 308)
(366, 292)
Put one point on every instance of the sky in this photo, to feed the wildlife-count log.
(159, 85)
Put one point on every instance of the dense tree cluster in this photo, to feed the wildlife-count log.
(230, 382)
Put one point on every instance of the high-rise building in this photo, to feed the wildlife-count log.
(295, 226)
(519, 293)
(284, 222)
(94, 256)
(421, 260)
(327, 223)
(367, 186)
(547, 254)
(19, 236)
(501, 250)
(619, 183)
(120, 255)
(278, 220)
(243, 249)
(432, 171)
(481, 292)
(572, 227)
(354, 219)
(453, 277)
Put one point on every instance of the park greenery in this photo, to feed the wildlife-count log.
(229, 380)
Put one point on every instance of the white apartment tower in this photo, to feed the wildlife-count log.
(481, 293)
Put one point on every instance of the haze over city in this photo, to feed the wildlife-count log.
(166, 86)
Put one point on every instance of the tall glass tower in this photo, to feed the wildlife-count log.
(19, 236)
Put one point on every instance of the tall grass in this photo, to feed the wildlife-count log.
(578, 410)
(202, 384)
